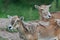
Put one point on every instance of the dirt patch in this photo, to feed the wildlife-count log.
(4, 22)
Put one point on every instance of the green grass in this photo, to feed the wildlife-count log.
(28, 12)
(53, 7)
(24, 10)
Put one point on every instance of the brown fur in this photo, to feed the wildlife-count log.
(56, 14)
(16, 22)
(44, 7)
(53, 29)
(28, 35)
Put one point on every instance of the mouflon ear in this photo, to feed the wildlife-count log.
(21, 18)
(49, 5)
(9, 16)
(36, 6)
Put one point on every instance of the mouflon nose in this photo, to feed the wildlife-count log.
(9, 27)
(49, 16)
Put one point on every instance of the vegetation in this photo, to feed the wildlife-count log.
(25, 8)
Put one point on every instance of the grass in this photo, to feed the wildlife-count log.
(24, 10)
(53, 7)
(28, 12)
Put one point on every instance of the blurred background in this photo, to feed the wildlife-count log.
(25, 8)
